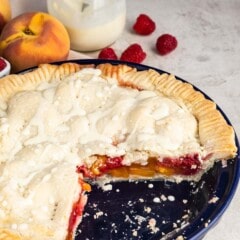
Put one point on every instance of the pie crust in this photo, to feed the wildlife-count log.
(214, 136)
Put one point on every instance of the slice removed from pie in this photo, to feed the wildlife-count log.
(62, 123)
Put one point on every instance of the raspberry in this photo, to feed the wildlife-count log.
(107, 53)
(134, 53)
(2, 64)
(166, 43)
(144, 25)
(186, 165)
(111, 163)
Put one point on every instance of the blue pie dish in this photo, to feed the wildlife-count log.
(157, 209)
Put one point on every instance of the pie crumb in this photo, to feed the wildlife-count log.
(98, 214)
(180, 237)
(156, 200)
(107, 187)
(135, 233)
(152, 225)
(213, 200)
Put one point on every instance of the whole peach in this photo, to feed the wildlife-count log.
(34, 38)
(5, 13)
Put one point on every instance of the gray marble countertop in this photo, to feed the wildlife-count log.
(208, 55)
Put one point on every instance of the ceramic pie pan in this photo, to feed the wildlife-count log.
(153, 210)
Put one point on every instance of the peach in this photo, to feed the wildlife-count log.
(34, 38)
(5, 13)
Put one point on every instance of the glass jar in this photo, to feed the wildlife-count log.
(91, 24)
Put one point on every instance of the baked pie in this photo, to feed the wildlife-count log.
(61, 124)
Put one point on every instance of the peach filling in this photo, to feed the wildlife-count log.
(184, 165)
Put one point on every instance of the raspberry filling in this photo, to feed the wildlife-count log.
(185, 165)
(77, 209)
(188, 164)
(102, 165)
(75, 214)
(3, 64)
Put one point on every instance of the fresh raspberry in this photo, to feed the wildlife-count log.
(144, 25)
(166, 43)
(108, 53)
(134, 53)
(3, 64)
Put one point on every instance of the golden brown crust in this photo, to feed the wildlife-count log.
(7, 235)
(14, 83)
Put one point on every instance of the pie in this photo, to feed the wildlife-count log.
(61, 124)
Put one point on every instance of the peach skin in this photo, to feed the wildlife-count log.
(34, 38)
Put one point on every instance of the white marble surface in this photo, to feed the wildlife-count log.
(208, 55)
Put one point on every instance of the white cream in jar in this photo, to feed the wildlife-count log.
(91, 24)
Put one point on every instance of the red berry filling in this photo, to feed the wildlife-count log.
(75, 214)
(85, 171)
(111, 163)
(100, 166)
(77, 209)
(185, 165)
(3, 64)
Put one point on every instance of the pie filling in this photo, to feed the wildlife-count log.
(187, 165)
(77, 210)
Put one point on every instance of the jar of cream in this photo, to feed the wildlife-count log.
(91, 24)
